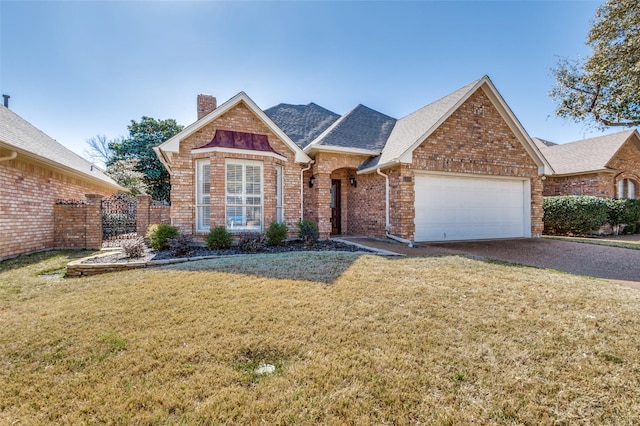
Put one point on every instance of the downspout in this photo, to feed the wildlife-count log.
(11, 156)
(388, 223)
(302, 190)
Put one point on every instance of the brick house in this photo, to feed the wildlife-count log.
(604, 166)
(459, 168)
(35, 171)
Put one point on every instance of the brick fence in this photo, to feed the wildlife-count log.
(78, 223)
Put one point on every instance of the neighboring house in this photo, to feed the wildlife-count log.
(459, 168)
(35, 171)
(604, 166)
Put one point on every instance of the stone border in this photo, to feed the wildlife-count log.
(77, 268)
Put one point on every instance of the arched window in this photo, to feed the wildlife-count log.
(626, 189)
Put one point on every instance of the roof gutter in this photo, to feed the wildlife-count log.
(11, 156)
(388, 224)
(62, 167)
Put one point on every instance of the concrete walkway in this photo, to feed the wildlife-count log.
(612, 263)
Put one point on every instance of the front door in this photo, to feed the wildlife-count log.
(336, 212)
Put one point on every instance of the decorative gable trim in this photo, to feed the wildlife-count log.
(165, 150)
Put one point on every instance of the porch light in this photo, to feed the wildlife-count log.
(311, 180)
(353, 182)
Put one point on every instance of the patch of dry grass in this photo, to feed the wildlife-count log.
(622, 242)
(369, 340)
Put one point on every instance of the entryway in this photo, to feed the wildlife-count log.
(336, 207)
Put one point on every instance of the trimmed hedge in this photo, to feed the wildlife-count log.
(160, 234)
(582, 214)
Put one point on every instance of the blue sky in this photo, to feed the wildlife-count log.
(76, 69)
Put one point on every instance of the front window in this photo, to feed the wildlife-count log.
(626, 189)
(244, 195)
(203, 195)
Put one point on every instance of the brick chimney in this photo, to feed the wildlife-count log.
(206, 104)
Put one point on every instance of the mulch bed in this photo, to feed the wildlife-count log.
(295, 245)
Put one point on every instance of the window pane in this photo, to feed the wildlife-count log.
(234, 200)
(203, 197)
(631, 192)
(234, 217)
(621, 189)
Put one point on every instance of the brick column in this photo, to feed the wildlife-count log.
(143, 214)
(93, 225)
(322, 187)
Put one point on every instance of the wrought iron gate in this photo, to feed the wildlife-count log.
(119, 216)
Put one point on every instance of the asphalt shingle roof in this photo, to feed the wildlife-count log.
(302, 123)
(18, 133)
(584, 155)
(360, 128)
(409, 129)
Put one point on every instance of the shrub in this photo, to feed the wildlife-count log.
(276, 233)
(623, 211)
(574, 214)
(182, 245)
(134, 247)
(160, 234)
(250, 242)
(219, 238)
(308, 232)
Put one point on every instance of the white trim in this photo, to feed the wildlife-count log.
(173, 144)
(279, 168)
(243, 163)
(238, 151)
(468, 175)
(199, 166)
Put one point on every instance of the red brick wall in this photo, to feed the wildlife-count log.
(79, 224)
(595, 184)
(241, 119)
(147, 213)
(28, 191)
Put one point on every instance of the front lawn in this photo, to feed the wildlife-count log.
(354, 339)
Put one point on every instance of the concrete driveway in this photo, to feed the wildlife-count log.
(576, 258)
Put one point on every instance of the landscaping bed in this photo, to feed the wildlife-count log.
(116, 260)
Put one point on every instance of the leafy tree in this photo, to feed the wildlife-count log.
(604, 88)
(124, 172)
(143, 136)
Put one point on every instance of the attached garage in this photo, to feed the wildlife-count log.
(463, 207)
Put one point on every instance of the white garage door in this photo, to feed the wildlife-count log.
(450, 208)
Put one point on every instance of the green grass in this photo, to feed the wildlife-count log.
(601, 241)
(353, 339)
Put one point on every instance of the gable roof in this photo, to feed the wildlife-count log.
(165, 150)
(584, 156)
(302, 123)
(410, 131)
(362, 129)
(17, 134)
